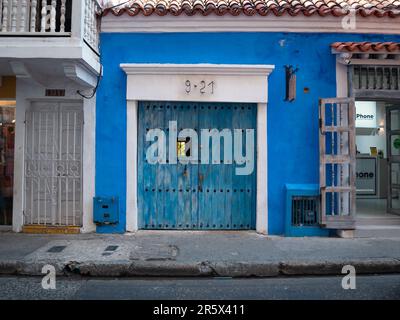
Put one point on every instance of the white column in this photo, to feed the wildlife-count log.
(131, 166)
(62, 18)
(43, 17)
(23, 16)
(53, 16)
(262, 170)
(4, 26)
(14, 12)
(88, 163)
(78, 18)
(33, 15)
(19, 154)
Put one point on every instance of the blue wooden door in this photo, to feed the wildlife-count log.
(196, 195)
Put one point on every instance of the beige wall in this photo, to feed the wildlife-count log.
(7, 87)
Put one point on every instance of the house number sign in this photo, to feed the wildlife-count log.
(204, 87)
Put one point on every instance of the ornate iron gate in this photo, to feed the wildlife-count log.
(53, 164)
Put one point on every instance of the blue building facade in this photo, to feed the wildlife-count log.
(292, 126)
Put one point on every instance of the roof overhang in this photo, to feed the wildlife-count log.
(376, 53)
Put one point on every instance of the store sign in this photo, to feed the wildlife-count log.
(365, 114)
(366, 175)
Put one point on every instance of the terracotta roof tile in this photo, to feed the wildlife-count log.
(366, 46)
(363, 8)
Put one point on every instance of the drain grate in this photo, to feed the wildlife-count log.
(56, 249)
(111, 248)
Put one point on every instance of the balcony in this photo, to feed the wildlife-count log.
(49, 29)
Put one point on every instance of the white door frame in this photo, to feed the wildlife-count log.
(166, 82)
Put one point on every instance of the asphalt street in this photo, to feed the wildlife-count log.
(298, 288)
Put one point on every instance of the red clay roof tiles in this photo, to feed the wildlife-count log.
(363, 8)
(366, 46)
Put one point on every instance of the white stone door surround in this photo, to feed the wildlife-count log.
(168, 82)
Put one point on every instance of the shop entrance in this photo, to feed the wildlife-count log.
(378, 167)
(7, 141)
(53, 164)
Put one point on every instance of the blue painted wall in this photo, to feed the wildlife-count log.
(292, 127)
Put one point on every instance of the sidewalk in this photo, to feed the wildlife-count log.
(185, 253)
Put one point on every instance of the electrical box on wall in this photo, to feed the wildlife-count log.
(105, 210)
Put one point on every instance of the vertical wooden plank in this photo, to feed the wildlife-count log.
(160, 171)
(322, 153)
(228, 169)
(204, 188)
(254, 174)
(192, 113)
(183, 205)
(142, 194)
(247, 123)
(167, 170)
(158, 122)
(239, 185)
(352, 153)
(206, 198)
(146, 111)
(172, 193)
(218, 167)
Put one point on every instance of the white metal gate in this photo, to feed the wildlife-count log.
(53, 164)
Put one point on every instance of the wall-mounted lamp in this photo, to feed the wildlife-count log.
(290, 83)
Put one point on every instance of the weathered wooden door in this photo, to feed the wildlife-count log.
(393, 150)
(53, 164)
(195, 194)
(337, 162)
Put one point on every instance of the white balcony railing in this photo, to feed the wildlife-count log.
(50, 18)
(91, 28)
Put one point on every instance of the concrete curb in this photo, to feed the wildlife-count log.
(127, 268)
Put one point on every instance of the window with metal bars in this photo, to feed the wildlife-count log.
(376, 77)
(305, 211)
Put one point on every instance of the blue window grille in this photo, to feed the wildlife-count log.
(303, 210)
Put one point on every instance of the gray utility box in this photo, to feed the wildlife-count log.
(105, 210)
